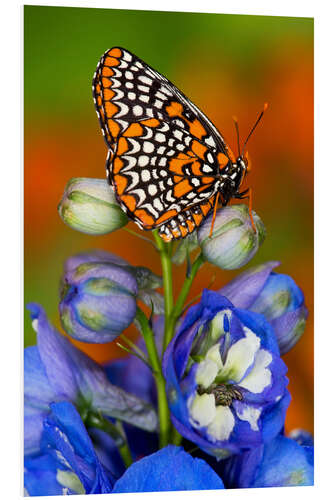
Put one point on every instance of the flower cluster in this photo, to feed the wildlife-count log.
(199, 401)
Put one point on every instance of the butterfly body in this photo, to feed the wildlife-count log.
(166, 161)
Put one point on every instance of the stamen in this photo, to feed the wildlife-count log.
(223, 394)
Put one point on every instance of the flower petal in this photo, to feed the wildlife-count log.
(222, 425)
(202, 409)
(169, 469)
(259, 377)
(240, 357)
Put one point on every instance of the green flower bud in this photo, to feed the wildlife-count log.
(233, 242)
(90, 206)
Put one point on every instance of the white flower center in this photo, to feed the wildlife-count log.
(245, 366)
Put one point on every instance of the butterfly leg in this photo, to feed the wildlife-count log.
(214, 213)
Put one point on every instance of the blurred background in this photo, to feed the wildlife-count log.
(227, 65)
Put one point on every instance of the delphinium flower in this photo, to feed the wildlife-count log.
(67, 462)
(274, 295)
(99, 293)
(55, 370)
(226, 382)
(233, 242)
(281, 462)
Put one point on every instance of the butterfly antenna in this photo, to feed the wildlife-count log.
(237, 132)
(254, 126)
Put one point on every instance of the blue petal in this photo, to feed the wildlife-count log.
(284, 463)
(281, 462)
(275, 284)
(65, 433)
(169, 469)
(33, 428)
(53, 351)
(244, 289)
(40, 476)
(36, 383)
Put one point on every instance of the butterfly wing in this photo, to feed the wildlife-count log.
(164, 153)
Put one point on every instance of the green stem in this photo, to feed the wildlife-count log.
(115, 431)
(124, 450)
(165, 254)
(163, 409)
(179, 305)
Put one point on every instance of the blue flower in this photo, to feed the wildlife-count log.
(281, 462)
(67, 463)
(98, 301)
(276, 296)
(99, 292)
(55, 370)
(225, 380)
(169, 469)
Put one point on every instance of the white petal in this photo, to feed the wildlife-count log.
(214, 354)
(251, 415)
(206, 372)
(240, 357)
(202, 410)
(259, 377)
(222, 425)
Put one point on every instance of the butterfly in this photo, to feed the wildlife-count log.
(168, 164)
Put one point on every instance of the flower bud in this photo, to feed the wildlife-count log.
(281, 301)
(90, 206)
(274, 295)
(233, 242)
(98, 301)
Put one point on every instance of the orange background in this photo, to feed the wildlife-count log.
(228, 65)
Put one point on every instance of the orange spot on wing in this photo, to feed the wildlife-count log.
(113, 127)
(111, 61)
(196, 168)
(145, 218)
(175, 109)
(134, 130)
(199, 149)
(166, 216)
(122, 146)
(110, 109)
(182, 188)
(223, 160)
(106, 71)
(197, 218)
(165, 238)
(183, 230)
(177, 178)
(205, 208)
(108, 94)
(129, 201)
(121, 184)
(190, 225)
(207, 180)
(115, 52)
(152, 122)
(117, 165)
(106, 82)
(197, 129)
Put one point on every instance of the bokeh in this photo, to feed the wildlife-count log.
(228, 65)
